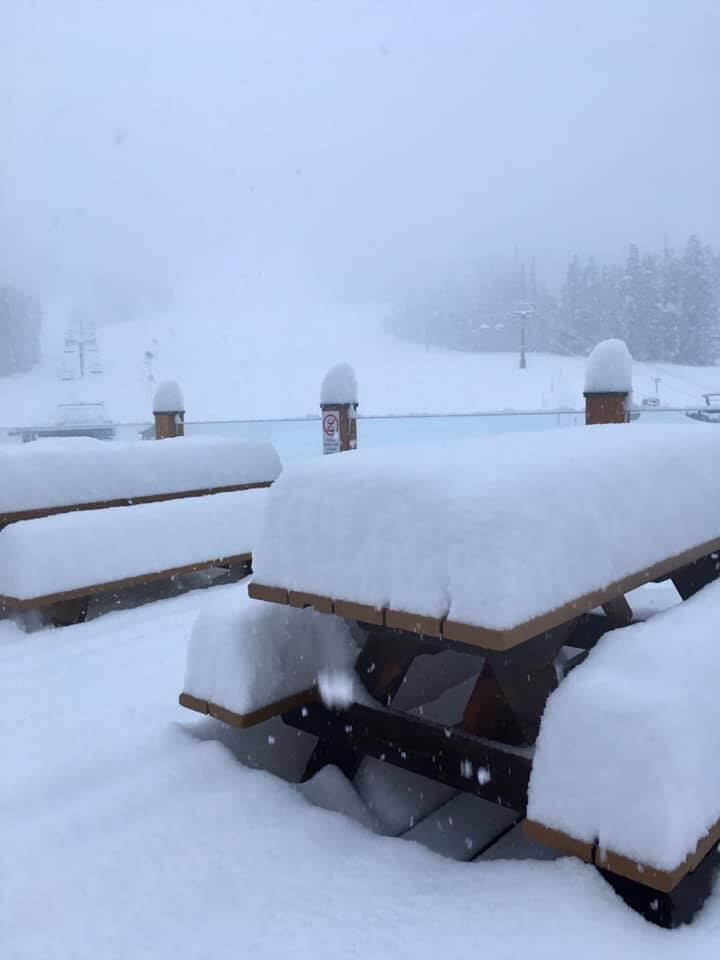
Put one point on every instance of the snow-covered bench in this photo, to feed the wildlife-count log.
(104, 517)
(504, 548)
(626, 771)
(63, 475)
(59, 562)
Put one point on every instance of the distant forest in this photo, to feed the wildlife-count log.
(666, 306)
(20, 322)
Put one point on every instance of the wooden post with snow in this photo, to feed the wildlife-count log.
(608, 383)
(338, 404)
(169, 411)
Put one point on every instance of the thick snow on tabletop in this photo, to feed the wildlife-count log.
(52, 473)
(168, 398)
(69, 551)
(628, 746)
(495, 531)
(243, 658)
(339, 385)
(609, 368)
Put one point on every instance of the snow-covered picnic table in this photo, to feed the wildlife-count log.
(502, 549)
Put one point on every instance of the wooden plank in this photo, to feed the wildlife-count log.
(414, 623)
(259, 591)
(295, 701)
(92, 589)
(548, 837)
(193, 703)
(302, 600)
(506, 639)
(458, 759)
(663, 880)
(14, 516)
(359, 611)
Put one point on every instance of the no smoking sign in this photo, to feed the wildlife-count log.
(331, 431)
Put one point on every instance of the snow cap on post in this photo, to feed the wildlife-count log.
(339, 385)
(338, 403)
(169, 410)
(608, 382)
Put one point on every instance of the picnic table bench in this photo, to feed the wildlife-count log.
(83, 517)
(519, 550)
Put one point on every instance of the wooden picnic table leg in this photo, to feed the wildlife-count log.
(696, 575)
(509, 697)
(381, 665)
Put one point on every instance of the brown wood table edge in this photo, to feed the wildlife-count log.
(110, 585)
(294, 701)
(297, 598)
(34, 514)
(414, 623)
(190, 702)
(653, 877)
(502, 640)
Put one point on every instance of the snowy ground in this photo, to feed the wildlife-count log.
(256, 364)
(129, 831)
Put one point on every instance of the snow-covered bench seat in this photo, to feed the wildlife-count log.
(52, 560)
(626, 771)
(251, 662)
(494, 541)
(61, 475)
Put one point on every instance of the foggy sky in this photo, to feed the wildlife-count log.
(350, 147)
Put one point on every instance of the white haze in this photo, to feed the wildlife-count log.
(344, 149)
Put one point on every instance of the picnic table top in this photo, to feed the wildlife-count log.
(493, 541)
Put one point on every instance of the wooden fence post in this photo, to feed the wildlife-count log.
(338, 404)
(169, 411)
(608, 383)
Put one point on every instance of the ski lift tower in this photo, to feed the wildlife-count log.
(80, 341)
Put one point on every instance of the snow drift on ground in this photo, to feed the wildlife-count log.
(626, 741)
(74, 550)
(495, 531)
(62, 472)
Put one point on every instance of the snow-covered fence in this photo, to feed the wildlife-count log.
(608, 383)
(169, 411)
(339, 403)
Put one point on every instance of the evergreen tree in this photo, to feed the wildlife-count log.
(698, 308)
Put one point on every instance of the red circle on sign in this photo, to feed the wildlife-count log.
(330, 424)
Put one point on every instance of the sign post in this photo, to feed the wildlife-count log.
(338, 403)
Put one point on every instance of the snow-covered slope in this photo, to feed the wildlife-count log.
(253, 363)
